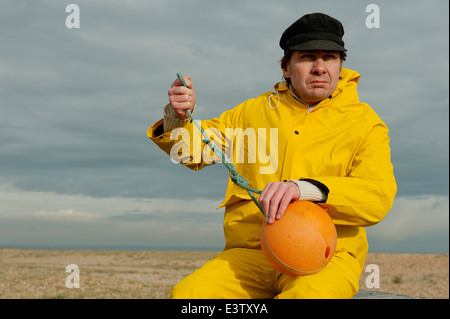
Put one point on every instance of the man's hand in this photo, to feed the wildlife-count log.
(182, 98)
(275, 197)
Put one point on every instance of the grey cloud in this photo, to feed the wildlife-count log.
(77, 103)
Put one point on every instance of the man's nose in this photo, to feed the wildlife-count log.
(319, 67)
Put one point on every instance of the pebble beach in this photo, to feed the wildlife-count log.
(103, 274)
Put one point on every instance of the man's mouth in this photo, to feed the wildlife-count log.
(318, 82)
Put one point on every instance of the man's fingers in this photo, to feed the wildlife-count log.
(275, 198)
(182, 98)
(269, 201)
(182, 114)
(275, 205)
(179, 97)
(178, 83)
(180, 90)
(283, 205)
(187, 80)
(264, 199)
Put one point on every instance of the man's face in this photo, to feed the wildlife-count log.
(314, 74)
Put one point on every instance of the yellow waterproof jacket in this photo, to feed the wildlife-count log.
(341, 143)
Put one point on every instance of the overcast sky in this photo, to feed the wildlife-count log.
(78, 169)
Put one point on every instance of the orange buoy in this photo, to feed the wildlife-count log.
(302, 242)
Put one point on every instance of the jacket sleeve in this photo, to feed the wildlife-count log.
(185, 144)
(366, 194)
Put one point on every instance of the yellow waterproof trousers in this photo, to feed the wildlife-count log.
(241, 273)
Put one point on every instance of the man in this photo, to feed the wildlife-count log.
(330, 149)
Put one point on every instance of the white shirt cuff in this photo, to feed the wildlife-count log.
(309, 191)
(170, 120)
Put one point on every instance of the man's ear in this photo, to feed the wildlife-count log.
(286, 72)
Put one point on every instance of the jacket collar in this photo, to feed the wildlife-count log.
(346, 78)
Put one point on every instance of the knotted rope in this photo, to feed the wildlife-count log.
(234, 175)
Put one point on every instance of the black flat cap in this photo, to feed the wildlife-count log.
(315, 31)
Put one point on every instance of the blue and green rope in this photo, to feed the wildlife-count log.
(234, 175)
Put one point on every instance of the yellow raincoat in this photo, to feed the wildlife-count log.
(340, 143)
